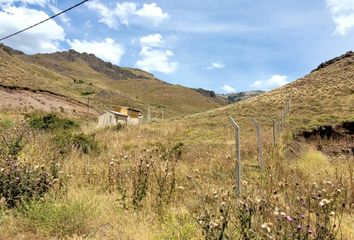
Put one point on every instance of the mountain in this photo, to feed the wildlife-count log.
(84, 78)
(236, 97)
(213, 95)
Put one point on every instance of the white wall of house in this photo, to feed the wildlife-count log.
(133, 121)
(110, 119)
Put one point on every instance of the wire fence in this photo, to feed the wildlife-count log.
(278, 126)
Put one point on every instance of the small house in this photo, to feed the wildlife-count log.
(122, 115)
(134, 116)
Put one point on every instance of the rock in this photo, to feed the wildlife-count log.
(349, 54)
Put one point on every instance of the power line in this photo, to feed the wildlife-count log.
(54, 16)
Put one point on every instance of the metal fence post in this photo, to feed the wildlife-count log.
(238, 155)
(278, 125)
(274, 132)
(259, 143)
(149, 114)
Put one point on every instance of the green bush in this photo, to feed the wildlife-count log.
(51, 122)
(65, 141)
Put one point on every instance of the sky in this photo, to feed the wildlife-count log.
(226, 45)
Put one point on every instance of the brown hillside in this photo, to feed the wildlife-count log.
(80, 76)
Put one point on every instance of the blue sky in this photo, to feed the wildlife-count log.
(225, 46)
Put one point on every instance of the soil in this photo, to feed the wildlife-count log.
(337, 140)
(30, 100)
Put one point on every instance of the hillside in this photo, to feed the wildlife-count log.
(82, 76)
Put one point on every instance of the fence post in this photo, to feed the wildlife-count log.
(238, 155)
(274, 132)
(148, 114)
(278, 125)
(259, 143)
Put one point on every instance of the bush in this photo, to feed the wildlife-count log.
(20, 182)
(51, 122)
(11, 141)
(84, 143)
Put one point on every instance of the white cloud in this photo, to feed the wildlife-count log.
(107, 16)
(342, 12)
(228, 89)
(107, 50)
(152, 12)
(128, 12)
(154, 56)
(216, 65)
(273, 82)
(62, 17)
(41, 3)
(152, 40)
(43, 38)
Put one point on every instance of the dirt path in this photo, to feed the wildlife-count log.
(29, 100)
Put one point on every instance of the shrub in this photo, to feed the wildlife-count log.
(11, 141)
(65, 141)
(51, 122)
(20, 182)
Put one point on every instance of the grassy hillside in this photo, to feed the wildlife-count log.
(175, 179)
(81, 75)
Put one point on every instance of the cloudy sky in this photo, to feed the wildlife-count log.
(225, 46)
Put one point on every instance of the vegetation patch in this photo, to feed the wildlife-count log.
(61, 217)
(21, 182)
(315, 164)
(85, 143)
(51, 122)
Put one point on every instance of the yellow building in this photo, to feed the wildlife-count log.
(129, 112)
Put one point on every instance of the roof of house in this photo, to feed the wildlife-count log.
(115, 113)
(130, 108)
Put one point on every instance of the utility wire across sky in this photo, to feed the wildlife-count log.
(54, 16)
